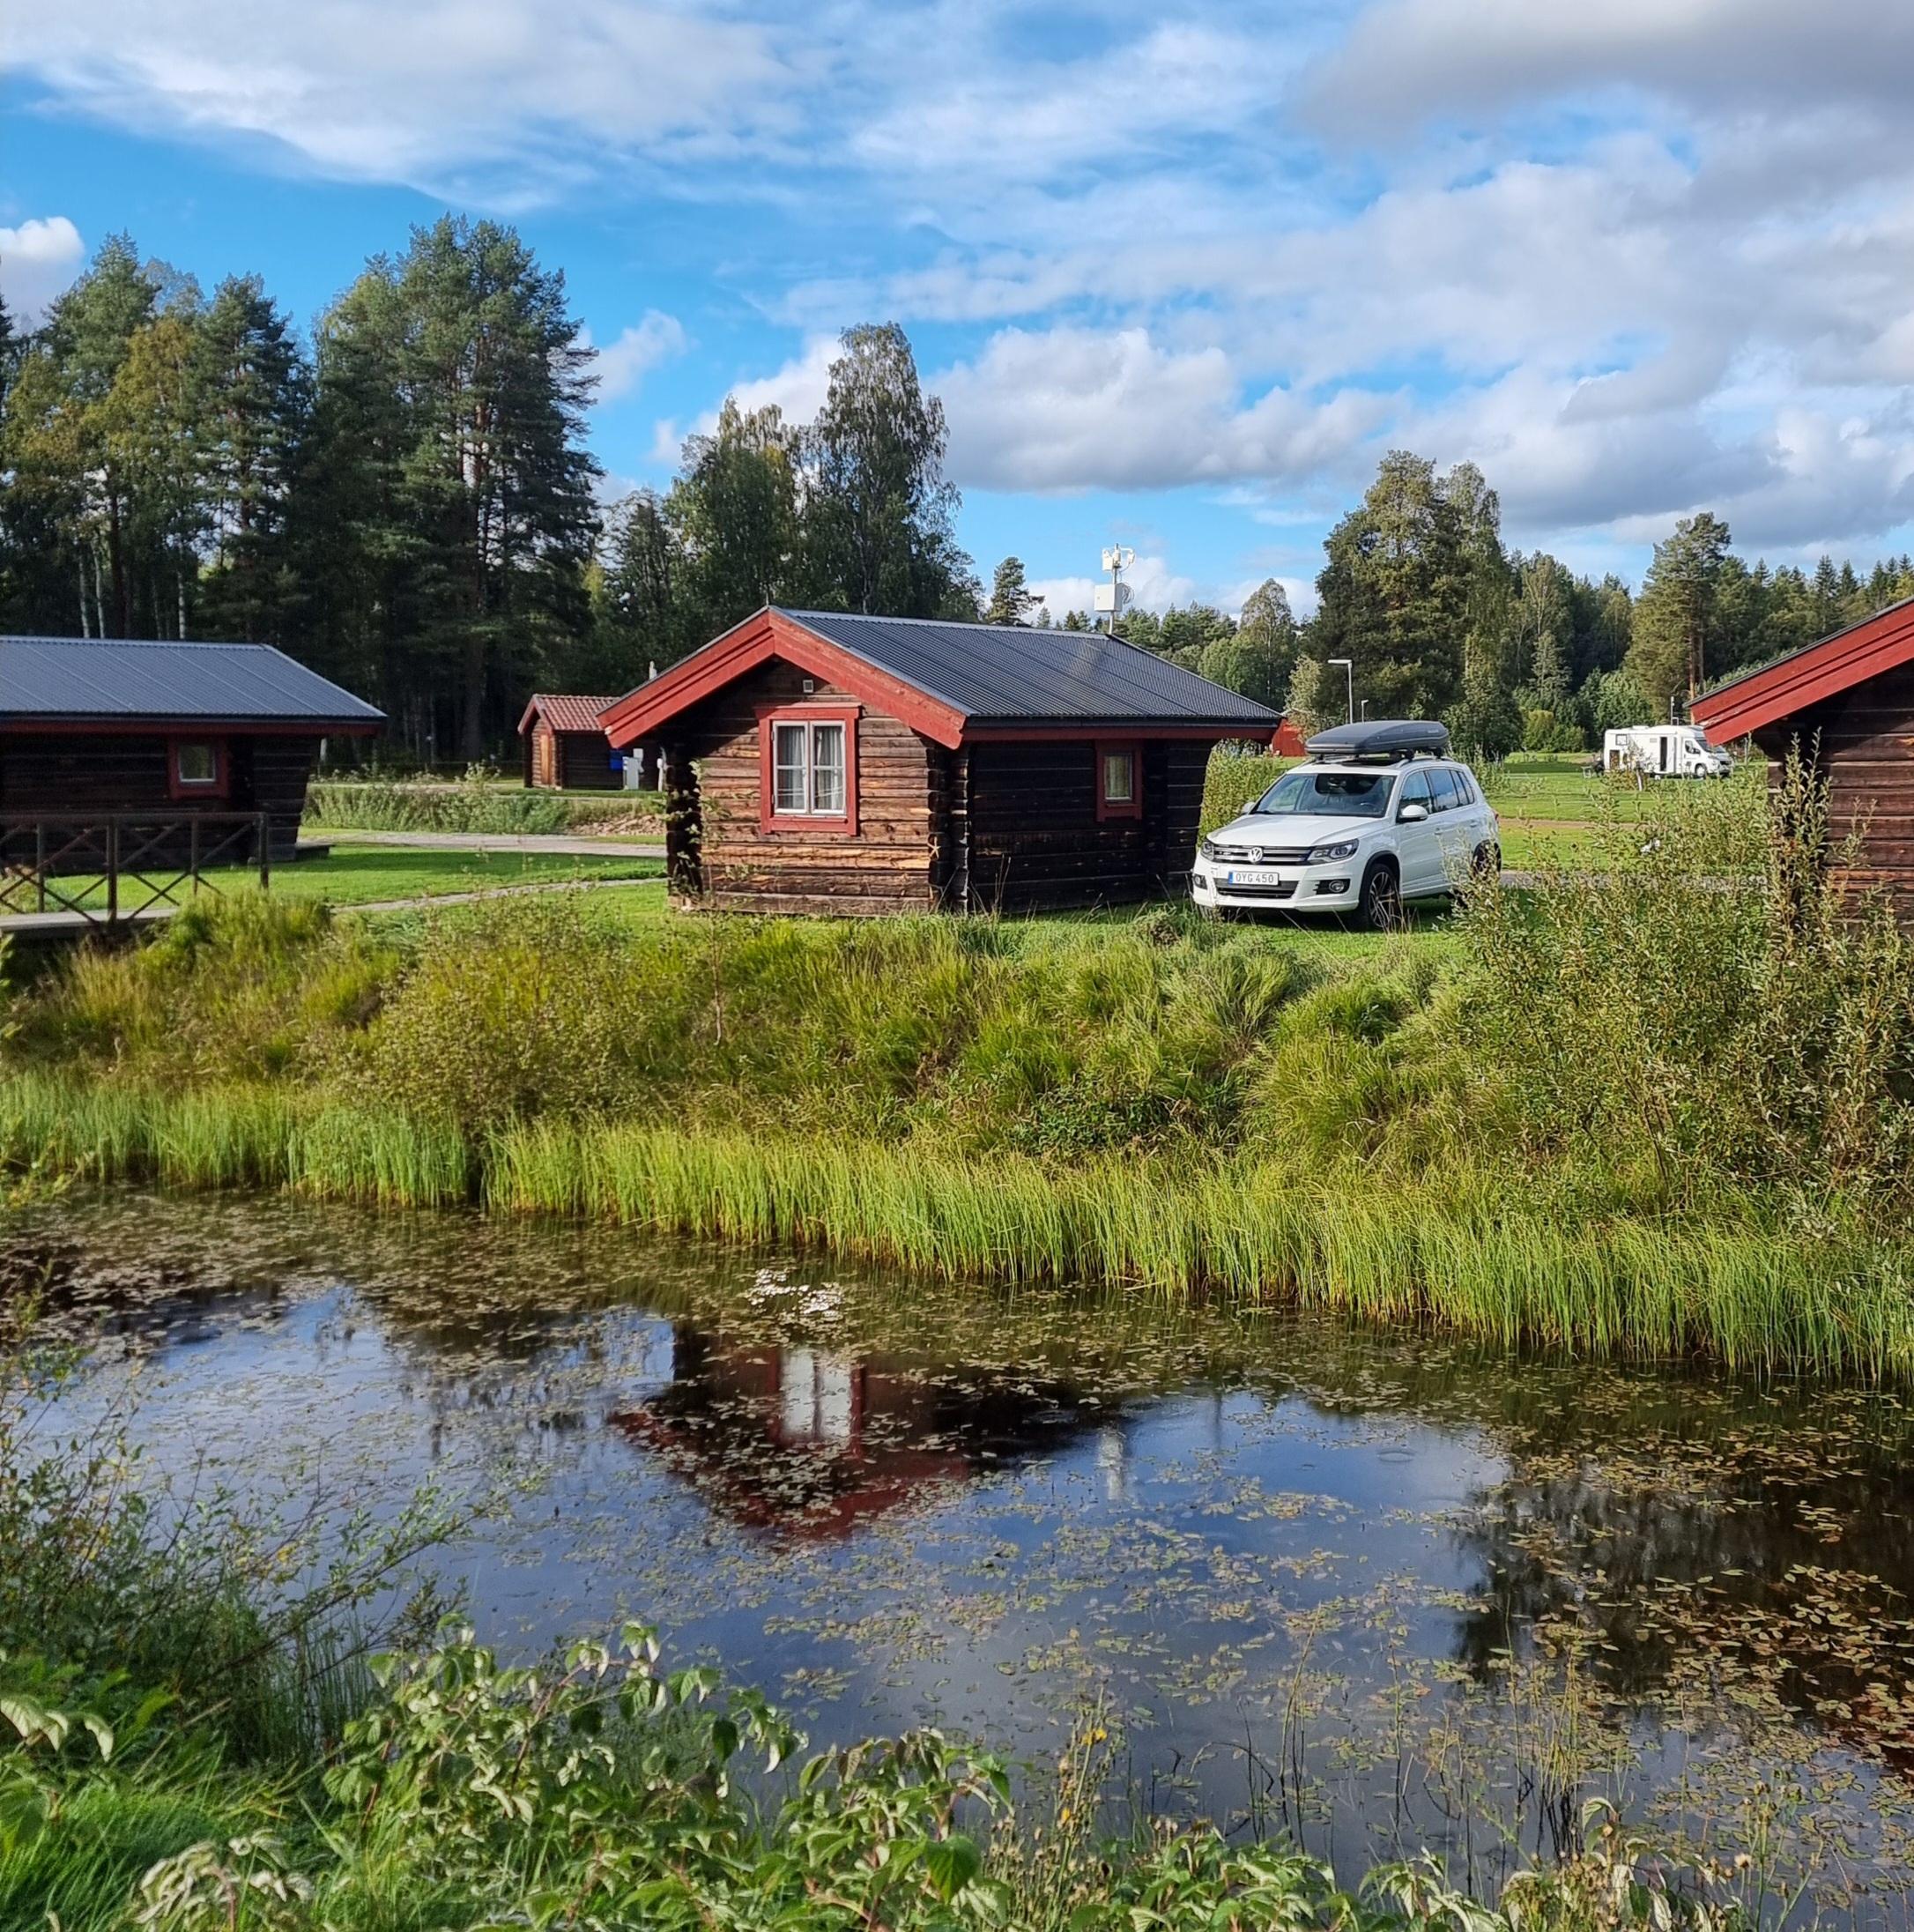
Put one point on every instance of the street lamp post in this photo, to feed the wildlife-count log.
(1348, 665)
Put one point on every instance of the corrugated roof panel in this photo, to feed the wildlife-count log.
(568, 711)
(1005, 674)
(77, 678)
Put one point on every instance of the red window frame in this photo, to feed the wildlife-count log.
(221, 784)
(816, 824)
(1106, 807)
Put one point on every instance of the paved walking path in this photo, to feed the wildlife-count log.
(562, 844)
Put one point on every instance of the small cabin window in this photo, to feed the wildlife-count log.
(197, 768)
(1119, 782)
(810, 770)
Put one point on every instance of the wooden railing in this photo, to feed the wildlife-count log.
(59, 862)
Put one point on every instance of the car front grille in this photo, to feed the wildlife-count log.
(1299, 856)
(1286, 890)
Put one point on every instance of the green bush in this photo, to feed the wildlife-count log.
(1236, 779)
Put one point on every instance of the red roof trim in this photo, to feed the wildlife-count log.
(1883, 642)
(769, 634)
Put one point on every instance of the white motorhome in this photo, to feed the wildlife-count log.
(1664, 751)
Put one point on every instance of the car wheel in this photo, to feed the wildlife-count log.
(1380, 907)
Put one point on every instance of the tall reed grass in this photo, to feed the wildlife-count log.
(1450, 1249)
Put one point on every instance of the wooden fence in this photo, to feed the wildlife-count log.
(67, 863)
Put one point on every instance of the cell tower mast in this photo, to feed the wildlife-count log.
(1113, 599)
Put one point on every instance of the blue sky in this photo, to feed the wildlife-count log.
(1180, 279)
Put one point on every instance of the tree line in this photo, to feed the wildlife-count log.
(407, 502)
(1436, 619)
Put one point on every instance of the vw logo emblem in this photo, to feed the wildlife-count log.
(1255, 854)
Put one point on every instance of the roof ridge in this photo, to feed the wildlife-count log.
(141, 643)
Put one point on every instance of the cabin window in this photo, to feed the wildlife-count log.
(197, 768)
(808, 759)
(1119, 782)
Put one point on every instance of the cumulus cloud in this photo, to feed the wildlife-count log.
(621, 366)
(1154, 586)
(1067, 409)
(38, 260)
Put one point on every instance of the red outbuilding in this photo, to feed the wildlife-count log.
(564, 746)
(1847, 703)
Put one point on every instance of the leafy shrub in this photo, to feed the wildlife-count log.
(247, 986)
(1707, 994)
(1236, 779)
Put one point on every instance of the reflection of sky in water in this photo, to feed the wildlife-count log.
(1283, 1551)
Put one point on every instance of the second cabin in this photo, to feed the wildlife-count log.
(816, 761)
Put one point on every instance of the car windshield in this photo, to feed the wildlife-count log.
(1326, 795)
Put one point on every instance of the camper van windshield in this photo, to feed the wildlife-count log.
(1327, 794)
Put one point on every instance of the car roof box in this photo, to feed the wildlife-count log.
(1382, 738)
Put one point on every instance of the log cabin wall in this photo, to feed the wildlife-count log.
(886, 866)
(1033, 838)
(584, 762)
(1863, 742)
(65, 773)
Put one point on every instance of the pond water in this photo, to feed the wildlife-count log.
(1374, 1590)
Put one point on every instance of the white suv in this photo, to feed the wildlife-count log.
(1379, 814)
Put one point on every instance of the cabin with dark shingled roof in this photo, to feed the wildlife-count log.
(833, 762)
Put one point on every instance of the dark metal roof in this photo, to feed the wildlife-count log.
(1006, 674)
(113, 679)
(1381, 738)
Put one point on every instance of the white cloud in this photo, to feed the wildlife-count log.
(522, 96)
(1154, 586)
(622, 366)
(1408, 59)
(38, 260)
(1632, 257)
(1076, 408)
(798, 388)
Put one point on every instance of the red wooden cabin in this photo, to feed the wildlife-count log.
(1847, 702)
(564, 746)
(817, 761)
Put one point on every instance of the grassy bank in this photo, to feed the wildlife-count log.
(1453, 1250)
(1658, 1109)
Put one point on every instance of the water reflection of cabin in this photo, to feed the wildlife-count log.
(816, 761)
(813, 1442)
(164, 731)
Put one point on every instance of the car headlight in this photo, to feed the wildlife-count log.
(1324, 855)
(1207, 848)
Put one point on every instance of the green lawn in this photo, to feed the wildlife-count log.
(353, 875)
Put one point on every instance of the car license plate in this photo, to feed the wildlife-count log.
(1252, 878)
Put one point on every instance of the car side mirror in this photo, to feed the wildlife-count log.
(1411, 812)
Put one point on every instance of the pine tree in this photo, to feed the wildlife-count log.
(492, 504)
(252, 407)
(1011, 601)
(1410, 581)
(1675, 616)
